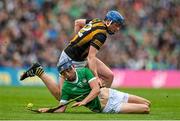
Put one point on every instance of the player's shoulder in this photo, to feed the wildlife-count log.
(96, 20)
(98, 25)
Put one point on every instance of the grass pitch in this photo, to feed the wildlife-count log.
(13, 100)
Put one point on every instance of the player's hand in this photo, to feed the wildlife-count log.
(77, 104)
(100, 82)
(43, 110)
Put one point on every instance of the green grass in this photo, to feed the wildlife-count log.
(165, 105)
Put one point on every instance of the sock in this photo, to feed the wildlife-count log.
(39, 71)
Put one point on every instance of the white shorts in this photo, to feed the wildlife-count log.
(77, 64)
(116, 98)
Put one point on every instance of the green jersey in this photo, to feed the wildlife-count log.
(80, 86)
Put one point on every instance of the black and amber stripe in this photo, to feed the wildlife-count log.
(39, 71)
(78, 47)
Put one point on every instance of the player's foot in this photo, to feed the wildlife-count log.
(35, 69)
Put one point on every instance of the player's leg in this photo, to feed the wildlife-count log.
(133, 104)
(37, 69)
(104, 73)
(134, 108)
(118, 103)
(138, 100)
(51, 85)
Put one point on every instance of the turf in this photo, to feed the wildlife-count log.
(165, 105)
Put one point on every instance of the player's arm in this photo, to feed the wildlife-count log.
(93, 94)
(62, 109)
(95, 89)
(59, 110)
(79, 23)
(60, 84)
(64, 99)
(96, 43)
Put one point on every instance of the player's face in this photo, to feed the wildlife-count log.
(114, 27)
(69, 74)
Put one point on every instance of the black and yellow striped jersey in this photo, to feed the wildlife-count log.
(93, 34)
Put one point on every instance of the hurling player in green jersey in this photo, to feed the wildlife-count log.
(82, 81)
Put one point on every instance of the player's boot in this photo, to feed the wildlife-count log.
(35, 69)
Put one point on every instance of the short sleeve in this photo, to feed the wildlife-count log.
(89, 75)
(98, 40)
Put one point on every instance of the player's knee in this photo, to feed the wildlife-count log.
(148, 103)
(110, 76)
(146, 109)
(109, 79)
